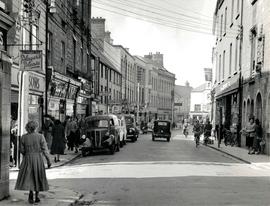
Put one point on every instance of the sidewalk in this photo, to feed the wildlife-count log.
(54, 197)
(64, 159)
(240, 153)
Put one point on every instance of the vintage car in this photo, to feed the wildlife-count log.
(122, 130)
(162, 129)
(102, 131)
(132, 130)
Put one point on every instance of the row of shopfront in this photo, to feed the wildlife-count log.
(66, 96)
(236, 100)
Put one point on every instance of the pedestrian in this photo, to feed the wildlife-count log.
(32, 174)
(250, 134)
(68, 123)
(58, 141)
(207, 131)
(258, 138)
(197, 130)
(48, 125)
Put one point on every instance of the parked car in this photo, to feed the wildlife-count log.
(102, 131)
(132, 130)
(162, 129)
(122, 130)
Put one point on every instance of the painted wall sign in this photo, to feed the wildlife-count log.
(31, 60)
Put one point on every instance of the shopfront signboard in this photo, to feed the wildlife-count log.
(31, 60)
(229, 85)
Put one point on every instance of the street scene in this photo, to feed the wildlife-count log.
(124, 102)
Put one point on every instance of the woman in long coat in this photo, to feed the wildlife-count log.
(32, 175)
(58, 141)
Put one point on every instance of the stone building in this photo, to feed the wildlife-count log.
(6, 22)
(69, 59)
(242, 63)
(182, 100)
(227, 57)
(161, 88)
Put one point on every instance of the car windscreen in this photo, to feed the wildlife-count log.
(129, 120)
(162, 123)
(101, 123)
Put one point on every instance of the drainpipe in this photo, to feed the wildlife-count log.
(240, 76)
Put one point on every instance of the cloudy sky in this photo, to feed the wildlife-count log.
(180, 29)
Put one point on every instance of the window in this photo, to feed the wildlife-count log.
(101, 71)
(253, 34)
(219, 69)
(225, 21)
(82, 59)
(63, 52)
(101, 97)
(236, 54)
(197, 107)
(221, 26)
(223, 65)
(50, 47)
(230, 60)
(237, 8)
(232, 11)
(74, 54)
(34, 36)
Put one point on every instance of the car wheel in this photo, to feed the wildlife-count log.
(118, 145)
(112, 148)
(84, 153)
(168, 139)
(153, 138)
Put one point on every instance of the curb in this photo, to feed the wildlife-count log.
(55, 166)
(231, 155)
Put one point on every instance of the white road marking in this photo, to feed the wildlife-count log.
(157, 169)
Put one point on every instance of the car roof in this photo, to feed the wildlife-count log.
(99, 117)
(162, 121)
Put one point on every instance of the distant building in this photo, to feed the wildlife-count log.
(182, 100)
(200, 106)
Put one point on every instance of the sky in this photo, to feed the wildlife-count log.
(180, 29)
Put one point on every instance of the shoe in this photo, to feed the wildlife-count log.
(55, 160)
(37, 199)
(30, 198)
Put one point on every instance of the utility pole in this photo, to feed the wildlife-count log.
(46, 56)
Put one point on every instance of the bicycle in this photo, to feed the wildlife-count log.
(186, 132)
(197, 140)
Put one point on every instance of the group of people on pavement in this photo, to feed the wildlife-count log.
(34, 145)
(253, 132)
(254, 136)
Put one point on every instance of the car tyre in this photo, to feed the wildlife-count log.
(84, 153)
(153, 138)
(168, 139)
(118, 145)
(112, 149)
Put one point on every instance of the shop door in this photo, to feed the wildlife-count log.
(228, 111)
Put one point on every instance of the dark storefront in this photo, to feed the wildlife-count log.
(227, 97)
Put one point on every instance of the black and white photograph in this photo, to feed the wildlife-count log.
(135, 102)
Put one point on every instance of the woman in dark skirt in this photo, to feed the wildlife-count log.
(58, 141)
(250, 130)
(32, 175)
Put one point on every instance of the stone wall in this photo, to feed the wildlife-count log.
(5, 78)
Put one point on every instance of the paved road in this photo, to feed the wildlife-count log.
(165, 174)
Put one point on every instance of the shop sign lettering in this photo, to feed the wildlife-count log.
(225, 86)
(34, 83)
(31, 60)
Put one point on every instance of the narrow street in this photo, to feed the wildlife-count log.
(164, 173)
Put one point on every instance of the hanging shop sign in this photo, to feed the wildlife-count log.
(228, 86)
(31, 60)
(58, 89)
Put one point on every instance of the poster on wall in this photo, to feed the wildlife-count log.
(31, 60)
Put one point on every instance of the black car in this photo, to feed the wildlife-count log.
(102, 132)
(162, 129)
(132, 130)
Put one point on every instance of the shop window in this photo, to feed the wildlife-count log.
(197, 107)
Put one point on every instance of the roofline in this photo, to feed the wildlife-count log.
(124, 49)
